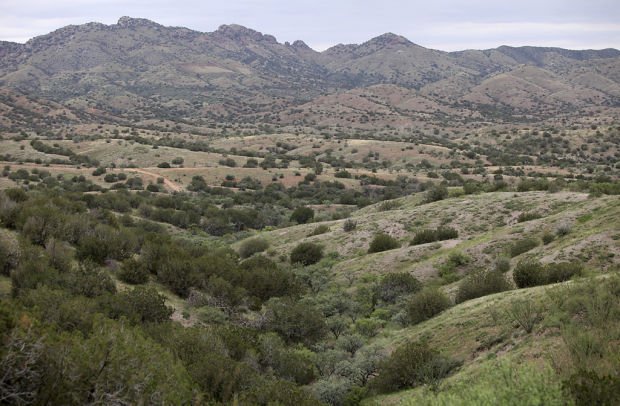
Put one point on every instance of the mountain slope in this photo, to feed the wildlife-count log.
(138, 69)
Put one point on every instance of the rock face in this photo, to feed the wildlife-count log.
(241, 71)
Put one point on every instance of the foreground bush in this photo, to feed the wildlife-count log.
(481, 283)
(306, 253)
(426, 304)
(383, 242)
(411, 365)
(252, 246)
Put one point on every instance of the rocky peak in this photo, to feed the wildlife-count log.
(136, 22)
(239, 32)
(300, 45)
(389, 39)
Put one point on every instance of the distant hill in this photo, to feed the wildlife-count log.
(138, 69)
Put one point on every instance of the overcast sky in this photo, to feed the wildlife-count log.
(441, 24)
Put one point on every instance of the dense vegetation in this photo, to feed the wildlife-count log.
(88, 276)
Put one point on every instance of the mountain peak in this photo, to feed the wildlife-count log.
(239, 32)
(299, 44)
(126, 21)
(389, 39)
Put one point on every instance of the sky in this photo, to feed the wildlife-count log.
(447, 25)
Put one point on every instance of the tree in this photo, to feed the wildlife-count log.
(396, 284)
(412, 364)
(302, 215)
(426, 304)
(147, 304)
(133, 271)
(306, 253)
(295, 321)
(436, 193)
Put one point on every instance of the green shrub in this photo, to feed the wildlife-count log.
(446, 233)
(295, 321)
(522, 246)
(411, 365)
(89, 280)
(448, 270)
(367, 327)
(388, 205)
(524, 313)
(396, 284)
(146, 304)
(350, 343)
(253, 246)
(426, 304)
(9, 256)
(563, 271)
(481, 283)
(436, 193)
(302, 215)
(424, 236)
(529, 273)
(383, 242)
(501, 264)
(349, 225)
(500, 383)
(457, 258)
(527, 216)
(547, 237)
(343, 174)
(306, 253)
(589, 388)
(133, 271)
(211, 315)
(321, 229)
(99, 171)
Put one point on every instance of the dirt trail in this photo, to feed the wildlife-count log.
(170, 184)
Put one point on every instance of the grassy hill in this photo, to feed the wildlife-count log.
(487, 225)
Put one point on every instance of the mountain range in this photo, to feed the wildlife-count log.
(138, 69)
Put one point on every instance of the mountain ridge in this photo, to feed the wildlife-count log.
(236, 72)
